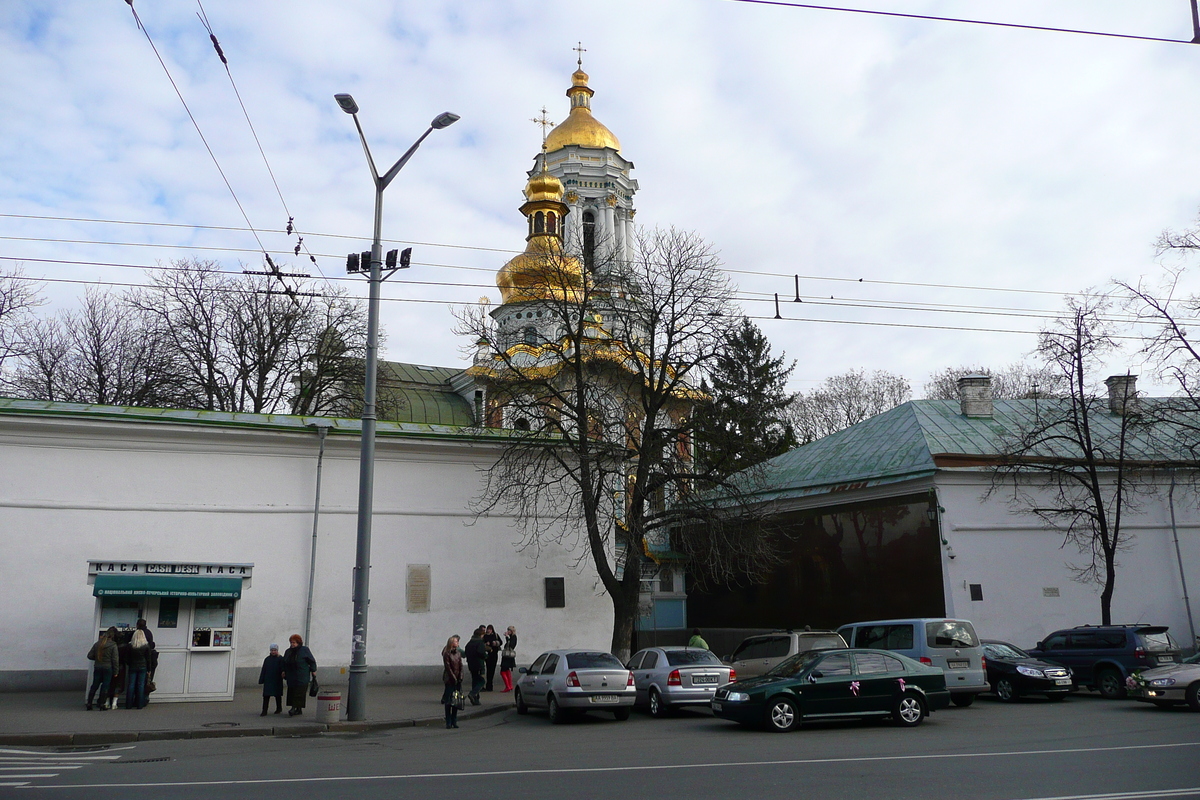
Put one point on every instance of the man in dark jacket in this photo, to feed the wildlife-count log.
(476, 653)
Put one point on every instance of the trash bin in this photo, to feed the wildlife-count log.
(329, 706)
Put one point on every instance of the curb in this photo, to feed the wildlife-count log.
(309, 729)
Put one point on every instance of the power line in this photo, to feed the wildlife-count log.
(932, 18)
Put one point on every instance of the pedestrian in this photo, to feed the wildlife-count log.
(135, 671)
(271, 678)
(476, 653)
(697, 640)
(299, 667)
(116, 688)
(104, 652)
(452, 678)
(152, 666)
(493, 643)
(141, 626)
(508, 657)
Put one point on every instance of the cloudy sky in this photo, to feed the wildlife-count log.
(940, 163)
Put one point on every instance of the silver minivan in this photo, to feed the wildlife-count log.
(947, 643)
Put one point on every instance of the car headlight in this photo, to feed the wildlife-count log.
(1161, 682)
(1030, 672)
(737, 697)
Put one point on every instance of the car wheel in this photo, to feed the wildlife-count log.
(554, 711)
(1005, 690)
(1110, 685)
(1193, 696)
(963, 700)
(782, 715)
(910, 710)
(658, 709)
(521, 707)
(620, 714)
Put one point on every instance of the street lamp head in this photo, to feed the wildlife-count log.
(347, 103)
(443, 120)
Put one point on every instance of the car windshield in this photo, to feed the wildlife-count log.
(1000, 650)
(950, 633)
(831, 642)
(792, 666)
(593, 661)
(1157, 640)
(683, 658)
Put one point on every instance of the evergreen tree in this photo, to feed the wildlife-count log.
(744, 421)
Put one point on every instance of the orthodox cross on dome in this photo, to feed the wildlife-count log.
(579, 51)
(546, 124)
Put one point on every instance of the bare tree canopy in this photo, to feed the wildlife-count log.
(1013, 382)
(197, 337)
(599, 390)
(18, 297)
(845, 400)
(1071, 463)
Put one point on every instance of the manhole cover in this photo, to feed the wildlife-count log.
(221, 725)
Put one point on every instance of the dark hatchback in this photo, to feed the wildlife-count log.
(829, 684)
(1013, 673)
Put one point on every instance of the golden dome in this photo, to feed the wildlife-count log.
(581, 128)
(542, 272)
(544, 186)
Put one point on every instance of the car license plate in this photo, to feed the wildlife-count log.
(958, 663)
(1166, 660)
(605, 698)
(704, 679)
(716, 706)
(1062, 681)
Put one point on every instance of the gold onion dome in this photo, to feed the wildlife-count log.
(542, 272)
(544, 186)
(581, 128)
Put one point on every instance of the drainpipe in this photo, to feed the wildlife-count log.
(322, 426)
(1187, 603)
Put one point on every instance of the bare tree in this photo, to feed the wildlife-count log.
(1073, 463)
(845, 400)
(18, 297)
(1013, 382)
(599, 395)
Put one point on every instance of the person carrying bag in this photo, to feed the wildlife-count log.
(452, 696)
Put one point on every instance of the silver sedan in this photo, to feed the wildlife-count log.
(669, 677)
(567, 682)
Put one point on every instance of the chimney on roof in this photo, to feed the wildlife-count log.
(975, 395)
(1122, 394)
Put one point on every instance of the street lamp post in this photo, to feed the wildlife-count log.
(356, 700)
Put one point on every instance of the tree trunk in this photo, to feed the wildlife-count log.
(624, 617)
(1110, 579)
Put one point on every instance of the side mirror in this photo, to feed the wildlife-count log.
(1040, 646)
(816, 673)
(726, 659)
(522, 670)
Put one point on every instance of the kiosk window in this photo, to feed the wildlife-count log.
(118, 613)
(168, 612)
(213, 613)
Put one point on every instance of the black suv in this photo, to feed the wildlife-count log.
(1103, 656)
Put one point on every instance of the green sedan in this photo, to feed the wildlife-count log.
(828, 684)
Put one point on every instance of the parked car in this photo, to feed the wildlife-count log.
(757, 654)
(1103, 656)
(827, 684)
(567, 682)
(669, 677)
(947, 643)
(1013, 673)
(1169, 685)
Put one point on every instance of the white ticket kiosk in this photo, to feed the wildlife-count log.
(192, 612)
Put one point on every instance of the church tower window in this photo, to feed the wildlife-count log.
(551, 223)
(531, 335)
(539, 222)
(589, 240)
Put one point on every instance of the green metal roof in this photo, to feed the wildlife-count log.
(901, 444)
(277, 422)
(423, 394)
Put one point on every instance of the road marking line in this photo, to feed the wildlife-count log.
(646, 768)
(82, 754)
(16, 783)
(1135, 795)
(47, 775)
(19, 767)
(53, 759)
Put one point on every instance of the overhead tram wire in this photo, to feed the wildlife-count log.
(741, 295)
(291, 227)
(211, 154)
(933, 18)
(760, 273)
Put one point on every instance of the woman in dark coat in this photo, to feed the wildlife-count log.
(508, 657)
(299, 667)
(271, 678)
(452, 677)
(476, 653)
(104, 652)
(493, 643)
(136, 667)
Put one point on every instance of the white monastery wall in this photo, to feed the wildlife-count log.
(76, 490)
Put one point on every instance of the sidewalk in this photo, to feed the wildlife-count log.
(59, 718)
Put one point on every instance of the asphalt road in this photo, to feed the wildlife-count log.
(1084, 748)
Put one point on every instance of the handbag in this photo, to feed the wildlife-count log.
(150, 687)
(508, 652)
(460, 699)
(313, 687)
